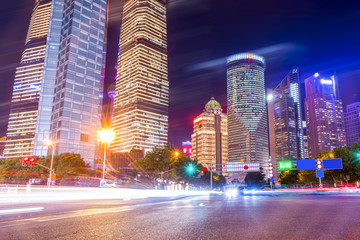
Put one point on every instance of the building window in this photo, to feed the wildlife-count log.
(84, 137)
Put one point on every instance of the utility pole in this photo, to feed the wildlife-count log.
(211, 176)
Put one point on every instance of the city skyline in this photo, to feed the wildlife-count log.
(182, 112)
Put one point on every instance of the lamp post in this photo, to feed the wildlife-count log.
(105, 136)
(49, 142)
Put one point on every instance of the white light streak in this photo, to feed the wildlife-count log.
(20, 210)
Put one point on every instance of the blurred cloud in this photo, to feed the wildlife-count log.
(278, 51)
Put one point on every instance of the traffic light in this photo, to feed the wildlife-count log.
(190, 169)
(32, 160)
(28, 161)
(271, 175)
(205, 169)
(319, 165)
(25, 161)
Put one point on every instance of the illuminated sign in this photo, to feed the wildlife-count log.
(285, 165)
(241, 56)
(17, 86)
(242, 167)
(326, 82)
(35, 87)
(197, 120)
(186, 143)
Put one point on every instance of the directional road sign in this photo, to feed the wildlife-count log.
(305, 164)
(320, 173)
(333, 163)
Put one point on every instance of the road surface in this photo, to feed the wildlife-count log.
(213, 217)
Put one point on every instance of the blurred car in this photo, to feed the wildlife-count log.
(37, 181)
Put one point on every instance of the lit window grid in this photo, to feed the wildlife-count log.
(141, 77)
(203, 139)
(247, 121)
(79, 120)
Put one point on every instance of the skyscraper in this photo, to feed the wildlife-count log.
(31, 104)
(352, 123)
(57, 85)
(140, 118)
(247, 114)
(78, 88)
(285, 119)
(210, 137)
(324, 114)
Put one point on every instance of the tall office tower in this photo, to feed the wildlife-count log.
(140, 119)
(247, 114)
(285, 119)
(31, 104)
(324, 114)
(352, 123)
(306, 143)
(210, 137)
(75, 117)
(282, 129)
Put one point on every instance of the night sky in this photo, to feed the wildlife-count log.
(315, 35)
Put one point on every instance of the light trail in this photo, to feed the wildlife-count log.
(20, 210)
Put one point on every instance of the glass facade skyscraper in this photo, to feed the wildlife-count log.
(31, 104)
(247, 113)
(78, 87)
(57, 85)
(285, 119)
(140, 118)
(324, 114)
(352, 123)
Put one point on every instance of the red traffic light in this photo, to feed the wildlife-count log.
(205, 169)
(246, 167)
(28, 161)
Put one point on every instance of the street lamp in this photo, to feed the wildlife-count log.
(49, 142)
(105, 136)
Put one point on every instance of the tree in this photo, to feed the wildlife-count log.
(169, 161)
(289, 177)
(254, 179)
(65, 165)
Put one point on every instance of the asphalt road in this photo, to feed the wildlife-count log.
(215, 217)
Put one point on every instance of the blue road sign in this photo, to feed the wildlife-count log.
(271, 179)
(305, 164)
(334, 163)
(320, 173)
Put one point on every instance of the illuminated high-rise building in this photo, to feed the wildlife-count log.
(306, 143)
(140, 118)
(31, 104)
(58, 83)
(210, 137)
(352, 123)
(247, 113)
(324, 114)
(79, 87)
(285, 119)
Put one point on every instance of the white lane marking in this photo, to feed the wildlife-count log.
(20, 210)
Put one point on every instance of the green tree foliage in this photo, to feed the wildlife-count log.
(65, 165)
(172, 162)
(254, 179)
(289, 177)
